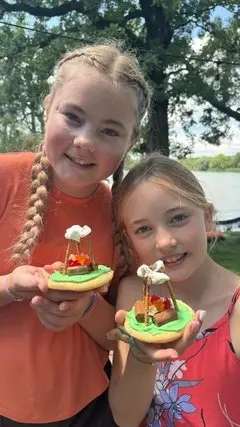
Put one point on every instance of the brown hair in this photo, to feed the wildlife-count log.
(165, 172)
(119, 67)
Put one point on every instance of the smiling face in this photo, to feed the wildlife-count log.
(162, 225)
(88, 131)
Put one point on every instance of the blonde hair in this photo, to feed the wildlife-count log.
(119, 67)
(165, 172)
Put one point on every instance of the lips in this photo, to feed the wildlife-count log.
(174, 259)
(79, 161)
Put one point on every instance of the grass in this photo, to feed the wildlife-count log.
(227, 252)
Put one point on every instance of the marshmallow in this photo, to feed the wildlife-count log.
(76, 232)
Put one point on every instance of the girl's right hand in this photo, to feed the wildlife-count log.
(153, 353)
(26, 281)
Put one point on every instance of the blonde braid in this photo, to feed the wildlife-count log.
(117, 177)
(76, 54)
(126, 258)
(40, 182)
(125, 263)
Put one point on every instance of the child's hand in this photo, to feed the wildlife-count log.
(152, 353)
(27, 281)
(50, 268)
(58, 316)
(59, 309)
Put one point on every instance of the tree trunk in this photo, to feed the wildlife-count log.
(157, 139)
(158, 37)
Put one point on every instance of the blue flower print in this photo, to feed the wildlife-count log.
(153, 417)
(174, 405)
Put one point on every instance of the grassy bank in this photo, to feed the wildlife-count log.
(227, 252)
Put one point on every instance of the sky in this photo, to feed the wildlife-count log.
(222, 12)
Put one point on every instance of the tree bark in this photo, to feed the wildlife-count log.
(159, 35)
(158, 131)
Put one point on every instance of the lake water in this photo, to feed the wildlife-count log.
(223, 189)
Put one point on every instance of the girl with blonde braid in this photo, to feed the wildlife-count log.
(53, 346)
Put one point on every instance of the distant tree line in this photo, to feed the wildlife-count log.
(216, 163)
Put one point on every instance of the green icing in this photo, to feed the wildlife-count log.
(57, 276)
(185, 315)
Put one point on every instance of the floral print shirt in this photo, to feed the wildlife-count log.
(201, 389)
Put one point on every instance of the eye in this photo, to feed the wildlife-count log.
(143, 229)
(178, 219)
(110, 132)
(72, 117)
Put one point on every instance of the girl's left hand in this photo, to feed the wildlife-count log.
(58, 316)
(57, 310)
(153, 353)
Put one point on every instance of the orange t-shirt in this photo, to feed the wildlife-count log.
(47, 376)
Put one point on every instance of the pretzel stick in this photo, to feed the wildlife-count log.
(172, 295)
(77, 248)
(147, 286)
(91, 254)
(67, 256)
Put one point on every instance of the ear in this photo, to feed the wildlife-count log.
(46, 102)
(134, 139)
(46, 105)
(208, 217)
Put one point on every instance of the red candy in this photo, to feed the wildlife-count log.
(160, 303)
(167, 303)
(75, 260)
(72, 263)
(154, 298)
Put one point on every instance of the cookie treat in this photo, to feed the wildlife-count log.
(156, 319)
(80, 271)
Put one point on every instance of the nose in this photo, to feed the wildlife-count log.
(84, 138)
(165, 240)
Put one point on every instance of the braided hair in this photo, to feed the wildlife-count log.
(39, 187)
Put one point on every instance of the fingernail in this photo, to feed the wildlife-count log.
(174, 354)
(202, 315)
(63, 306)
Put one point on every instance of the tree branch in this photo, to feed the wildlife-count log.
(221, 106)
(173, 72)
(195, 16)
(63, 9)
(102, 23)
(133, 14)
(207, 93)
